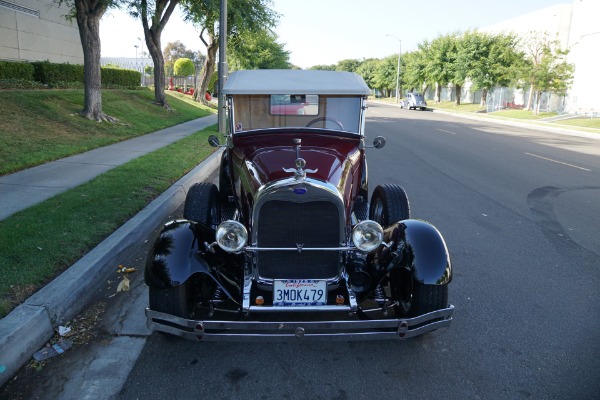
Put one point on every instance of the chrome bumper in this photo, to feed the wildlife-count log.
(237, 331)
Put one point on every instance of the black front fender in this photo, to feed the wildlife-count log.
(179, 251)
(419, 247)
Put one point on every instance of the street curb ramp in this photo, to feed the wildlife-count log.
(30, 325)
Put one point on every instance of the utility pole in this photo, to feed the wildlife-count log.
(223, 69)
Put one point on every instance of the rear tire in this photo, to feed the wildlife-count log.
(202, 204)
(389, 204)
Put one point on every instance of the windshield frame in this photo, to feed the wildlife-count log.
(352, 115)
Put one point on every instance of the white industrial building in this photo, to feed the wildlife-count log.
(37, 30)
(577, 29)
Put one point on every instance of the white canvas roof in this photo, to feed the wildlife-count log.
(289, 81)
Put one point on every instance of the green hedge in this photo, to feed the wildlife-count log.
(49, 73)
(120, 77)
(40, 73)
(16, 70)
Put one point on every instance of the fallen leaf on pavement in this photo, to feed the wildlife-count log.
(123, 285)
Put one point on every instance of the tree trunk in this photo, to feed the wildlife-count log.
(162, 12)
(154, 48)
(484, 94)
(88, 14)
(438, 93)
(538, 101)
(458, 89)
(530, 98)
(209, 68)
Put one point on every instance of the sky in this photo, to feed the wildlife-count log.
(323, 32)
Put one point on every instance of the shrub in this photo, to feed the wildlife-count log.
(20, 75)
(183, 67)
(16, 70)
(50, 73)
(117, 77)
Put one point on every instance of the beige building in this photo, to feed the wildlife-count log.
(37, 30)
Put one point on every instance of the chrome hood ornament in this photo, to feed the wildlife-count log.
(299, 171)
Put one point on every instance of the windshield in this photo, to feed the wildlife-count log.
(252, 112)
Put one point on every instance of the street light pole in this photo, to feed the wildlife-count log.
(142, 69)
(398, 69)
(222, 66)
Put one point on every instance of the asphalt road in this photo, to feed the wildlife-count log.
(520, 211)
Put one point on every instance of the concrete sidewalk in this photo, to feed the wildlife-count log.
(26, 188)
(29, 326)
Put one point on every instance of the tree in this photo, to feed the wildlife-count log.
(323, 67)
(546, 68)
(385, 75)
(149, 70)
(183, 67)
(413, 68)
(176, 50)
(440, 57)
(350, 65)
(88, 14)
(244, 17)
(493, 61)
(258, 51)
(367, 70)
(155, 15)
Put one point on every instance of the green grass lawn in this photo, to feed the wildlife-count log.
(42, 241)
(37, 126)
(583, 121)
(522, 114)
(450, 106)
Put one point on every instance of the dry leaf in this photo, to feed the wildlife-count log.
(123, 285)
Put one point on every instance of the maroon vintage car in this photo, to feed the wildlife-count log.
(289, 244)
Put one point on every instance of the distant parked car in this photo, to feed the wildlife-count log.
(414, 100)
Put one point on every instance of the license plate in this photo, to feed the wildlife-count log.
(299, 292)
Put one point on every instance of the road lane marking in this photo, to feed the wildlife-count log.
(445, 131)
(559, 162)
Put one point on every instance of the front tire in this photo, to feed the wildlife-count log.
(174, 300)
(202, 204)
(420, 299)
(389, 204)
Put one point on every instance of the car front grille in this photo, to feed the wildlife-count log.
(287, 224)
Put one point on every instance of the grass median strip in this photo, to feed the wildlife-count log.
(42, 241)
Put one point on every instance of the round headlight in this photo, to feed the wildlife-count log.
(367, 235)
(231, 236)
